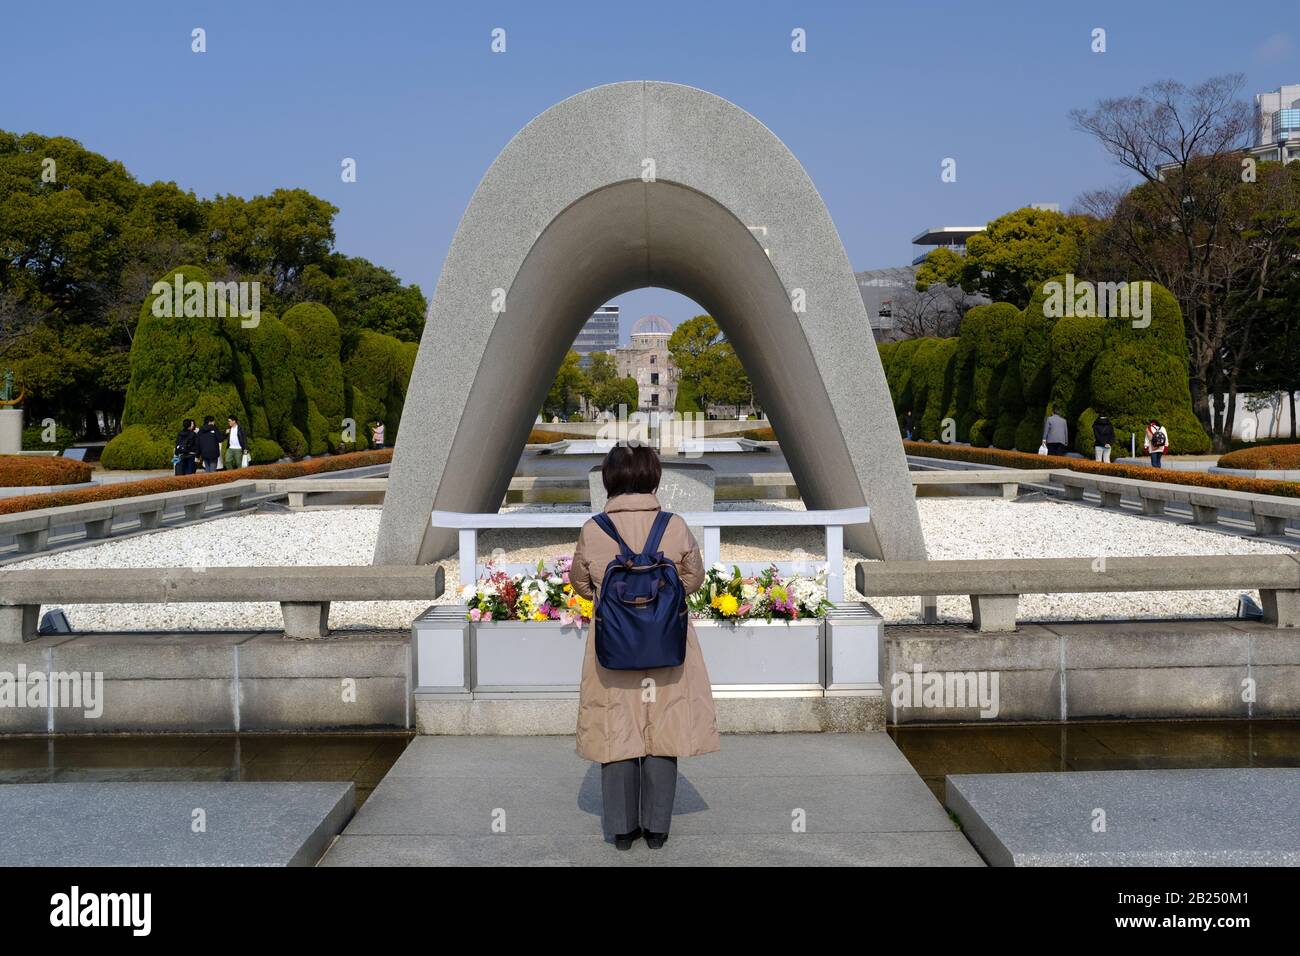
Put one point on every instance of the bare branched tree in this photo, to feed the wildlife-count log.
(1178, 226)
(937, 311)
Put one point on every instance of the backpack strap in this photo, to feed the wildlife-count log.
(657, 531)
(607, 526)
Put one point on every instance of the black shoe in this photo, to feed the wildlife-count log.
(655, 840)
(624, 841)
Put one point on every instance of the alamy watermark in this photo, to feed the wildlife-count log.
(1105, 300)
(680, 431)
(947, 689)
(208, 300)
(77, 690)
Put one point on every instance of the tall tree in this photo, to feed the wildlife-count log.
(1011, 257)
(1179, 226)
(569, 385)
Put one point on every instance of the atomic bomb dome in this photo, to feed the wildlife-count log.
(652, 325)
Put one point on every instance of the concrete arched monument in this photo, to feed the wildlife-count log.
(618, 188)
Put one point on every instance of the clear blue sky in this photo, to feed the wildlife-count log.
(413, 93)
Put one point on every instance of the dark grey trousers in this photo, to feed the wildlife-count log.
(638, 793)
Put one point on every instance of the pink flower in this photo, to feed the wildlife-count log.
(487, 616)
(475, 614)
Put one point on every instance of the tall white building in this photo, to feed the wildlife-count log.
(1277, 124)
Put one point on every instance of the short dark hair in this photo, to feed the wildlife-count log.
(232, 418)
(188, 423)
(209, 420)
(631, 470)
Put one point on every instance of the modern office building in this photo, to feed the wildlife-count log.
(1277, 124)
(646, 359)
(954, 237)
(600, 333)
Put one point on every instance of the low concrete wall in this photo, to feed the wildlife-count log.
(217, 682)
(543, 716)
(1102, 669)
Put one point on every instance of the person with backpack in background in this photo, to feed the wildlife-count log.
(1103, 437)
(636, 721)
(187, 448)
(209, 443)
(1157, 442)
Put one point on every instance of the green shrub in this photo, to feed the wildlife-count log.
(264, 451)
(1036, 372)
(315, 344)
(900, 388)
(137, 448)
(293, 442)
(933, 366)
(996, 332)
(376, 376)
(886, 352)
(1029, 433)
(1083, 438)
(179, 365)
(1133, 383)
(1011, 407)
(34, 438)
(979, 433)
(1075, 345)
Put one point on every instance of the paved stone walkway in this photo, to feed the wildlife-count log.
(862, 802)
(170, 824)
(1225, 817)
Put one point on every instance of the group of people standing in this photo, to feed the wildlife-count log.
(202, 443)
(1056, 438)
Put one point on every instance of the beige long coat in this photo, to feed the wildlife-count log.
(619, 715)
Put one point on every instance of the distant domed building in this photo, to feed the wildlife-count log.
(646, 359)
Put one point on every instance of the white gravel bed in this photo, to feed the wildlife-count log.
(954, 528)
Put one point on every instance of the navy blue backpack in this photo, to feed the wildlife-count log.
(641, 615)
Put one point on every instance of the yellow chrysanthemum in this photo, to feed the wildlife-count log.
(727, 604)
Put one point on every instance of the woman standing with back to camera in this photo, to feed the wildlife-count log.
(636, 723)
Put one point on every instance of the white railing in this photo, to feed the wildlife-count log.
(468, 525)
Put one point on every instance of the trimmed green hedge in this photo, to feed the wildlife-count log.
(284, 378)
(149, 486)
(1276, 457)
(26, 471)
(1007, 370)
(1172, 476)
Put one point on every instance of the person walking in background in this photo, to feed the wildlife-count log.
(377, 435)
(908, 426)
(209, 442)
(236, 443)
(1157, 442)
(187, 448)
(636, 723)
(1103, 437)
(1056, 435)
